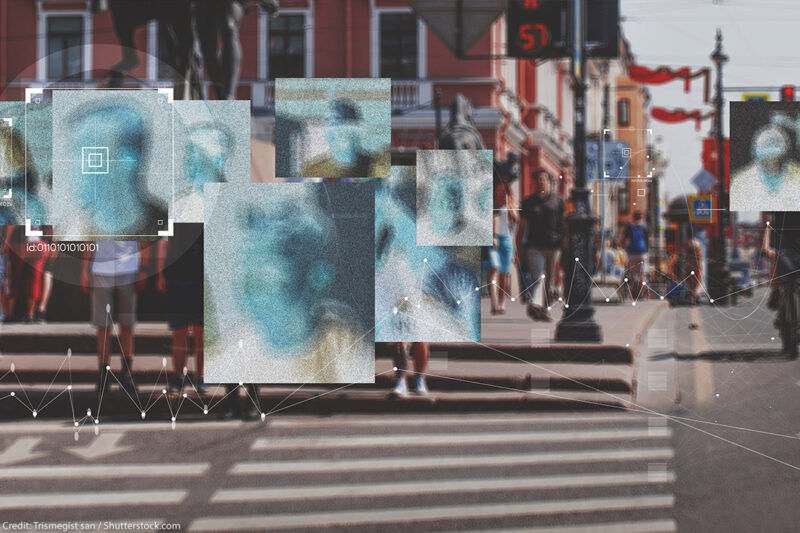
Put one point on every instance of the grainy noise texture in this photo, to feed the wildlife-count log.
(333, 128)
(422, 293)
(454, 197)
(289, 283)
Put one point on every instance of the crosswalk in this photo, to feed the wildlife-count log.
(545, 473)
(566, 474)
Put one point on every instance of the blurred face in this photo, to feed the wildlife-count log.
(542, 181)
(206, 154)
(343, 142)
(770, 150)
(447, 204)
(282, 276)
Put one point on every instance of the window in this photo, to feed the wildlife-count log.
(624, 112)
(398, 46)
(64, 47)
(287, 47)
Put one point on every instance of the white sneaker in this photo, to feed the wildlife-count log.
(400, 390)
(422, 387)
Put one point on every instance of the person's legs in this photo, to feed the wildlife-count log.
(421, 353)
(100, 295)
(505, 252)
(550, 259)
(199, 364)
(180, 348)
(491, 278)
(127, 320)
(47, 288)
(536, 269)
(400, 359)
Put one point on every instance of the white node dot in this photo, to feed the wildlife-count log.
(185, 371)
(96, 421)
(717, 395)
(69, 387)
(173, 419)
(767, 222)
(394, 310)
(108, 367)
(406, 298)
(418, 306)
(394, 368)
(241, 383)
(425, 260)
(458, 302)
(13, 367)
(185, 395)
(576, 259)
(772, 338)
(163, 361)
(13, 394)
(494, 282)
(712, 300)
(89, 412)
(625, 280)
(76, 424)
(163, 391)
(143, 415)
(692, 272)
(34, 413)
(566, 306)
(644, 283)
(627, 345)
(477, 288)
(549, 308)
(634, 304)
(560, 299)
(69, 352)
(661, 297)
(608, 299)
(513, 299)
(263, 416)
(108, 308)
(542, 276)
(205, 411)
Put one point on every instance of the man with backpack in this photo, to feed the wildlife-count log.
(635, 240)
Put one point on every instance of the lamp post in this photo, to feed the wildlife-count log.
(718, 270)
(578, 323)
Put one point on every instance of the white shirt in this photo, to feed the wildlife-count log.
(750, 193)
(116, 257)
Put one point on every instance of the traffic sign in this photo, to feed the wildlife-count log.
(755, 97)
(701, 209)
(459, 23)
(704, 180)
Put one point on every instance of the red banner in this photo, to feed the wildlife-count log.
(680, 115)
(660, 75)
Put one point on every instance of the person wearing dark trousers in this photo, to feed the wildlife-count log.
(219, 20)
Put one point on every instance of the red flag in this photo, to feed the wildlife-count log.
(680, 115)
(660, 75)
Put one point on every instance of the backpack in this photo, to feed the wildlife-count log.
(638, 243)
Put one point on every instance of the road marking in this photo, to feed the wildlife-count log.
(644, 526)
(462, 420)
(102, 446)
(21, 450)
(703, 371)
(454, 461)
(427, 439)
(417, 514)
(103, 471)
(125, 498)
(29, 428)
(406, 488)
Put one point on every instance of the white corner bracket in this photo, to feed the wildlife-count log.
(167, 91)
(170, 231)
(32, 233)
(34, 94)
(7, 195)
(8, 121)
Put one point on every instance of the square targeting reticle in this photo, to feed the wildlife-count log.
(212, 145)
(454, 197)
(290, 280)
(113, 165)
(765, 156)
(422, 293)
(333, 128)
(25, 162)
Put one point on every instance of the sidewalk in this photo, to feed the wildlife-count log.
(506, 371)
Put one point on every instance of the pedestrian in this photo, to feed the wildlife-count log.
(115, 267)
(420, 352)
(541, 235)
(609, 255)
(620, 259)
(693, 270)
(500, 255)
(215, 22)
(26, 259)
(635, 240)
(180, 276)
(3, 277)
